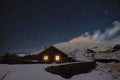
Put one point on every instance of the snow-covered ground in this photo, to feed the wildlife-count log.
(26, 72)
(37, 72)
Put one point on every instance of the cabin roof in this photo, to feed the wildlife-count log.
(52, 48)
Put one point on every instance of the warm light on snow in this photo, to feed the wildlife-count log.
(80, 39)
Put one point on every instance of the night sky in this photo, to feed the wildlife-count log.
(31, 25)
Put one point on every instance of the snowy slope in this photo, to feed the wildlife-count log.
(83, 45)
(78, 48)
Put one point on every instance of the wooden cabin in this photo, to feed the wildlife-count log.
(52, 54)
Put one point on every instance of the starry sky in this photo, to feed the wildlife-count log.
(30, 25)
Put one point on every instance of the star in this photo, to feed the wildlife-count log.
(106, 12)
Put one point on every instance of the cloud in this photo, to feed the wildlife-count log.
(108, 34)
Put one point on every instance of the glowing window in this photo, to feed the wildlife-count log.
(45, 57)
(57, 57)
